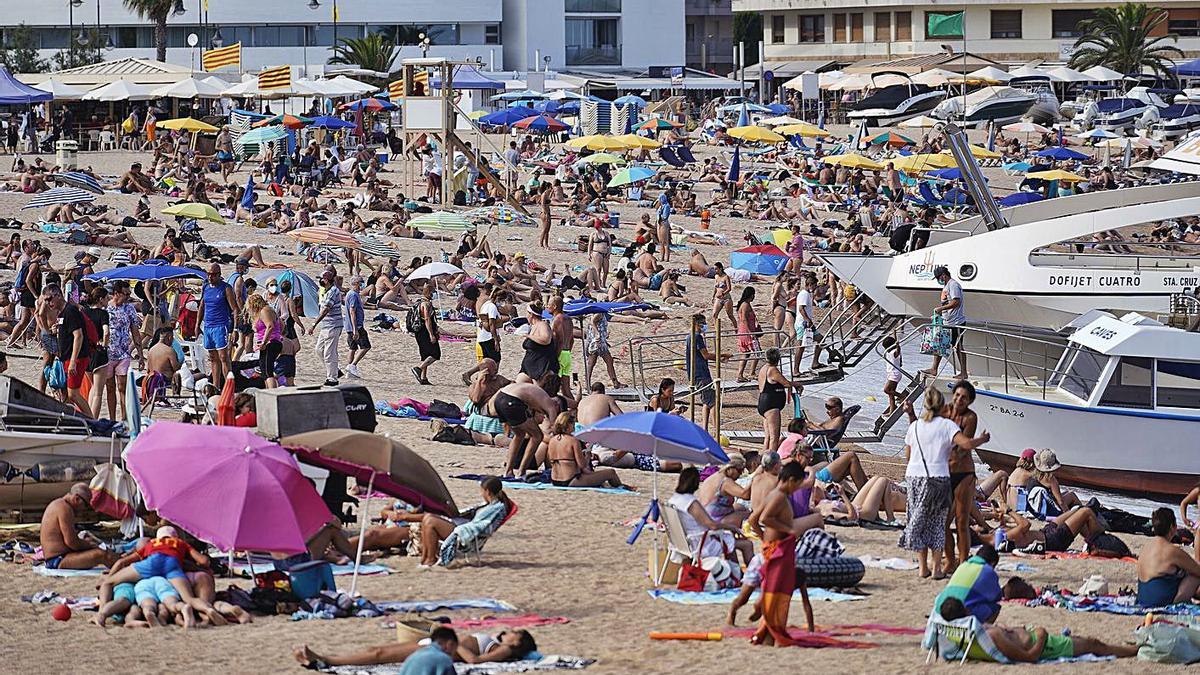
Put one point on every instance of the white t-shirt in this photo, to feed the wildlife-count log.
(933, 440)
(489, 310)
(956, 316)
(682, 502)
(804, 299)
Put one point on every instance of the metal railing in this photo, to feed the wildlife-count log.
(578, 55)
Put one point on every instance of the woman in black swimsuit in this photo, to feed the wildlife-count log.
(541, 354)
(569, 465)
(773, 390)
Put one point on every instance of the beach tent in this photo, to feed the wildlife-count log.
(15, 92)
(766, 259)
(303, 287)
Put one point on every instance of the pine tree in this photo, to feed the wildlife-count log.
(20, 55)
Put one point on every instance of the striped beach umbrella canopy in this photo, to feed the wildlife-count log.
(263, 135)
(60, 195)
(633, 174)
(327, 235)
(501, 214)
(441, 221)
(79, 180)
(375, 247)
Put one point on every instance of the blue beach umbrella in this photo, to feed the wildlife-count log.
(1060, 153)
(631, 174)
(80, 180)
(303, 287)
(766, 259)
(633, 99)
(133, 406)
(248, 197)
(952, 173)
(328, 122)
(735, 166)
(1018, 167)
(743, 116)
(149, 271)
(505, 117)
(1019, 198)
(60, 195)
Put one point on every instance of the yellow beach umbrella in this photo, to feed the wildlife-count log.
(803, 129)
(854, 161)
(476, 114)
(980, 152)
(195, 211)
(1058, 175)
(781, 237)
(756, 134)
(918, 163)
(188, 124)
(635, 141)
(597, 142)
(602, 158)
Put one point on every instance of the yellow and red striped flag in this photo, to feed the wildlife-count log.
(279, 77)
(396, 89)
(225, 56)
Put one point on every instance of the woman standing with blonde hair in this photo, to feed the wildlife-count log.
(927, 446)
(268, 337)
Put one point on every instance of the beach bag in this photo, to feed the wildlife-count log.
(413, 322)
(448, 411)
(127, 126)
(56, 375)
(692, 577)
(78, 237)
(113, 492)
(1108, 545)
(935, 339)
(1168, 643)
(1040, 503)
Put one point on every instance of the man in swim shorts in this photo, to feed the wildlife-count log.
(62, 547)
(523, 407)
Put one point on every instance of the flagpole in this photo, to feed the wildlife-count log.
(964, 74)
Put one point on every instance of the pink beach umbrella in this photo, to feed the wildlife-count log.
(227, 486)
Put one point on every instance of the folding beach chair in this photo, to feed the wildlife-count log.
(668, 155)
(960, 639)
(679, 547)
(685, 154)
(474, 547)
(826, 440)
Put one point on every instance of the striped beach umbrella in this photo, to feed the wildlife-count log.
(441, 221)
(377, 248)
(633, 174)
(327, 235)
(79, 180)
(263, 135)
(60, 195)
(501, 214)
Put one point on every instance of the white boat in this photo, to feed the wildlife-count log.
(999, 103)
(1045, 108)
(1176, 120)
(1024, 274)
(1121, 409)
(1138, 108)
(895, 103)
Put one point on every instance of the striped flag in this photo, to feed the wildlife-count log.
(396, 89)
(279, 77)
(225, 56)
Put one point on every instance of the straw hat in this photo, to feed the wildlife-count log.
(1046, 461)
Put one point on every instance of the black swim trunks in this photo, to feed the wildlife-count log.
(510, 409)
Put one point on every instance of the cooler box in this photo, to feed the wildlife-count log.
(381, 157)
(614, 219)
(310, 578)
(294, 410)
(67, 155)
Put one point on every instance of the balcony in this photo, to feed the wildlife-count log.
(593, 56)
(708, 8)
(593, 6)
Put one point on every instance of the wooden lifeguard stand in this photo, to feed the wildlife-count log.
(437, 115)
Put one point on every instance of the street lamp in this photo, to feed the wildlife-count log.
(71, 5)
(423, 42)
(179, 8)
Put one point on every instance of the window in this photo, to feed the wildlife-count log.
(593, 42)
(491, 34)
(1131, 385)
(929, 15)
(1178, 384)
(812, 28)
(585, 6)
(856, 27)
(883, 26)
(1064, 23)
(839, 27)
(1084, 373)
(903, 26)
(1184, 22)
(1006, 24)
(776, 29)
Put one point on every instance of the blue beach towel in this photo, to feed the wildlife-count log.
(726, 596)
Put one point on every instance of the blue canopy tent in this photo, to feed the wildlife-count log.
(303, 287)
(1060, 153)
(15, 92)
(779, 108)
(518, 95)
(631, 99)
(469, 77)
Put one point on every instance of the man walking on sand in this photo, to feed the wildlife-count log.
(329, 326)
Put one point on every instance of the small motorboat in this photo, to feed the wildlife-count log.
(895, 102)
(1176, 120)
(1045, 108)
(999, 103)
(1140, 107)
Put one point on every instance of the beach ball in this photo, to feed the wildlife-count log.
(61, 613)
(724, 440)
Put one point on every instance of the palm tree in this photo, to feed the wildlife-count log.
(156, 11)
(374, 52)
(1121, 38)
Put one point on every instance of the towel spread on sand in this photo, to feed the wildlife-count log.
(522, 621)
(47, 572)
(518, 484)
(1008, 566)
(242, 569)
(1109, 604)
(898, 564)
(528, 665)
(397, 607)
(726, 596)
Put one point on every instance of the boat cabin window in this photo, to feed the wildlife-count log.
(1178, 384)
(1131, 385)
(1083, 374)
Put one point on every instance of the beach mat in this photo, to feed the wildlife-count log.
(243, 569)
(805, 639)
(527, 666)
(726, 596)
(1109, 604)
(522, 621)
(518, 484)
(491, 604)
(47, 572)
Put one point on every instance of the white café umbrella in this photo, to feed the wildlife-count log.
(61, 90)
(433, 269)
(120, 90)
(991, 73)
(1065, 74)
(354, 85)
(190, 88)
(1102, 74)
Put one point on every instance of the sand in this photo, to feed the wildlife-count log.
(562, 555)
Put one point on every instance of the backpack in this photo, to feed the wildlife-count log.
(78, 237)
(413, 320)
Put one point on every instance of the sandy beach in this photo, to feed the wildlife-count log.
(563, 555)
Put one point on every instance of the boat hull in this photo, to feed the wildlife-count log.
(1113, 449)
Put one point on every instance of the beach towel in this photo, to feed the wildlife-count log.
(471, 535)
(518, 484)
(1109, 604)
(726, 596)
(415, 606)
(778, 584)
(898, 564)
(798, 637)
(47, 572)
(552, 662)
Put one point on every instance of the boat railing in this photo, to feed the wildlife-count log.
(28, 419)
(1185, 303)
(1126, 259)
(1012, 358)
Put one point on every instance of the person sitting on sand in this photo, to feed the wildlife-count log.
(718, 492)
(483, 385)
(1030, 645)
(134, 181)
(469, 648)
(1166, 573)
(1036, 469)
(61, 546)
(569, 466)
(1057, 535)
(698, 265)
(880, 492)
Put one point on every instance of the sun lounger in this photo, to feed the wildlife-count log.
(684, 153)
(668, 155)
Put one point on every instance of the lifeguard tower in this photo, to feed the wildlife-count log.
(436, 114)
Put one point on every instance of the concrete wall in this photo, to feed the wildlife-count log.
(265, 11)
(652, 33)
(532, 25)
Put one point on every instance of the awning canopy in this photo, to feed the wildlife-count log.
(14, 92)
(784, 69)
(469, 77)
(696, 83)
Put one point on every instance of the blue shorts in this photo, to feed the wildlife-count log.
(216, 337)
(53, 563)
(125, 591)
(824, 475)
(223, 156)
(154, 588)
(159, 565)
